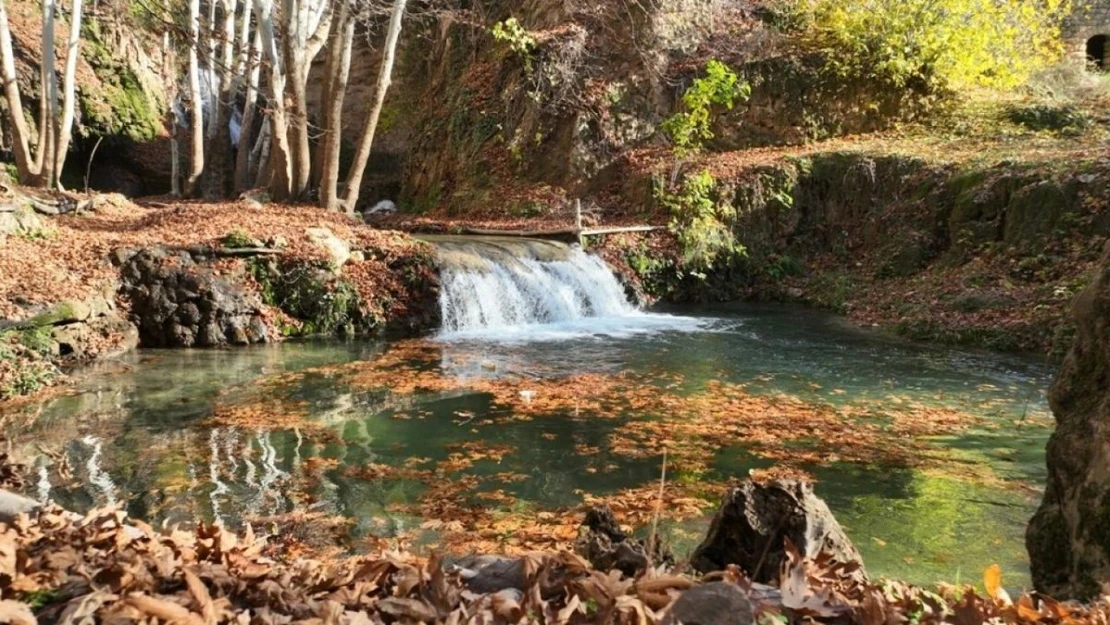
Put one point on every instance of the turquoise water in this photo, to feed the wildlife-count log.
(139, 432)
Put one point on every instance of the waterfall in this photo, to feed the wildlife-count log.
(491, 284)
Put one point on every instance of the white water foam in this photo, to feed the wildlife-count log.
(521, 298)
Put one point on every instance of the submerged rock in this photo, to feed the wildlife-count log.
(1069, 537)
(607, 548)
(753, 522)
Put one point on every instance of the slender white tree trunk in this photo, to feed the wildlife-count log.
(26, 166)
(213, 75)
(279, 164)
(196, 149)
(362, 157)
(243, 156)
(65, 131)
(259, 170)
(48, 123)
(246, 38)
(339, 57)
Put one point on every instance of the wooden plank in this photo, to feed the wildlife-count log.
(620, 230)
(535, 234)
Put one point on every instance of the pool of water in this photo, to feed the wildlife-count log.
(390, 434)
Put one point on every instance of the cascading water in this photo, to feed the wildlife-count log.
(491, 284)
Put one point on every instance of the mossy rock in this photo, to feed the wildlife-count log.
(311, 293)
(1036, 211)
(120, 105)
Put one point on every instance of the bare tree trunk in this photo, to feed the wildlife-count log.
(243, 157)
(362, 157)
(279, 166)
(196, 149)
(246, 47)
(219, 166)
(306, 27)
(65, 132)
(260, 157)
(339, 61)
(213, 76)
(49, 121)
(175, 162)
(28, 172)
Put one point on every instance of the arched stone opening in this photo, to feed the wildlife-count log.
(1096, 52)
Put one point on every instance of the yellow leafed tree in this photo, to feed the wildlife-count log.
(934, 44)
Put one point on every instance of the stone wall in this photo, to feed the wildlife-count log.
(1089, 18)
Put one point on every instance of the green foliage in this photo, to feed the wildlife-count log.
(719, 87)
(781, 266)
(11, 172)
(528, 209)
(39, 599)
(1064, 119)
(324, 305)
(701, 223)
(519, 40)
(24, 364)
(937, 46)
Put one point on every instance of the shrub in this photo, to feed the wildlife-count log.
(936, 45)
(701, 223)
(719, 87)
(520, 41)
(1065, 119)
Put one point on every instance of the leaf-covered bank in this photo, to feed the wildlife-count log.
(984, 254)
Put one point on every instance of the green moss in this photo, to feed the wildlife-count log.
(311, 294)
(119, 105)
(237, 239)
(24, 364)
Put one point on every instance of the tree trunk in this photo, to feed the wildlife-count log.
(49, 120)
(243, 156)
(219, 165)
(247, 47)
(339, 62)
(260, 157)
(28, 172)
(196, 148)
(213, 76)
(279, 164)
(65, 131)
(362, 157)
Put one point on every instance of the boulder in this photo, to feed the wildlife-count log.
(753, 522)
(176, 302)
(607, 548)
(19, 220)
(716, 603)
(1069, 536)
(338, 250)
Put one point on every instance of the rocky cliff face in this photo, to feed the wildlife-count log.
(1069, 537)
(495, 127)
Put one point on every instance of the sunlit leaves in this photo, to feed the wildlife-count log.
(936, 44)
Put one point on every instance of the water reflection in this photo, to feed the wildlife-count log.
(146, 436)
